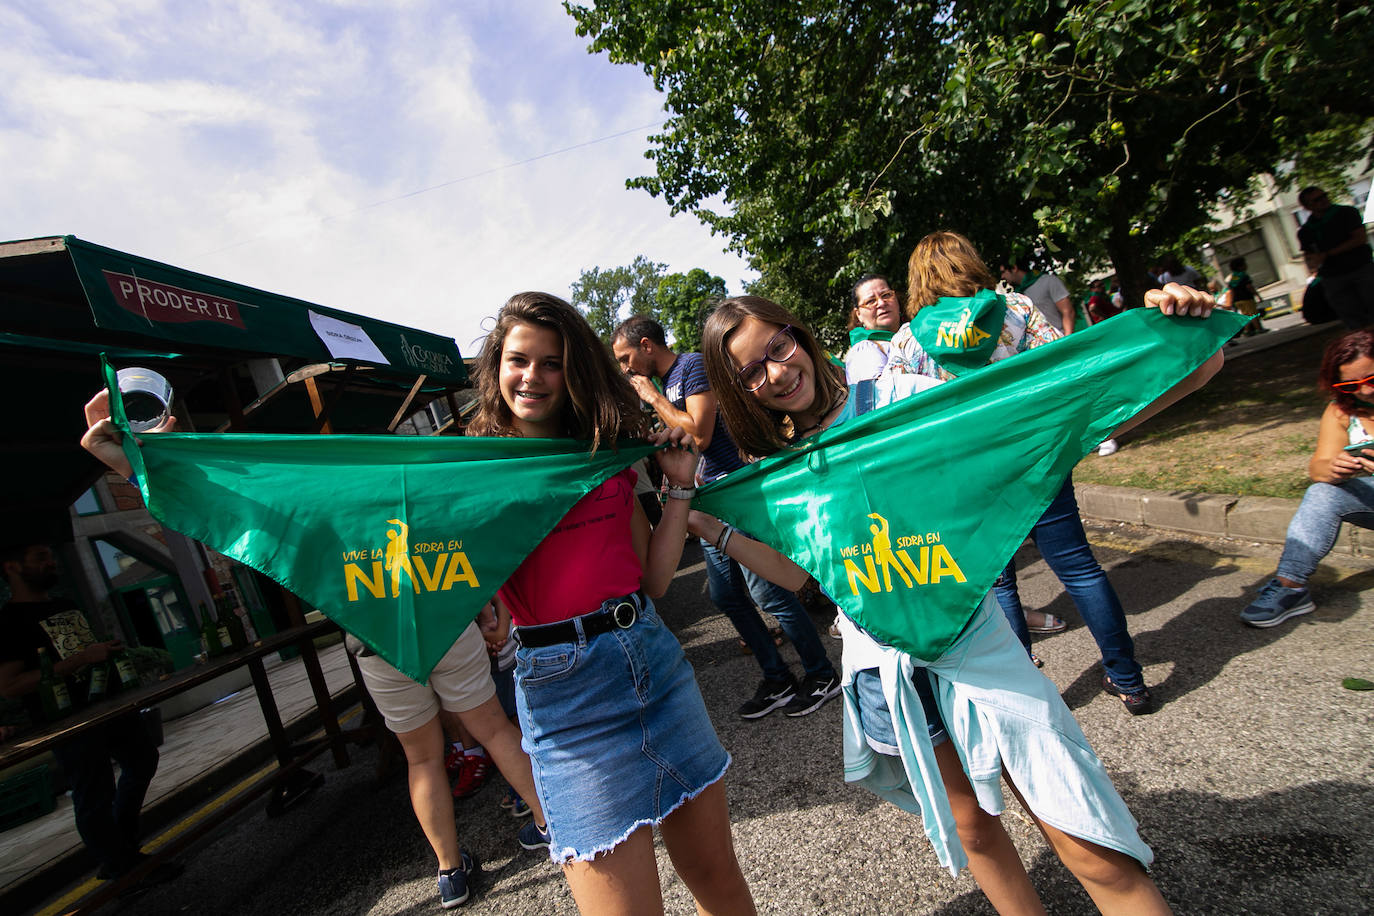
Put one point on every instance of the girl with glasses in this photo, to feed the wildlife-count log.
(775, 388)
(1342, 491)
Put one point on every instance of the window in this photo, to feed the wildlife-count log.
(1251, 247)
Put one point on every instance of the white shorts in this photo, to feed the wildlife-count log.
(460, 682)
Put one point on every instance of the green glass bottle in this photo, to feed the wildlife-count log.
(98, 681)
(124, 666)
(52, 690)
(209, 633)
(229, 617)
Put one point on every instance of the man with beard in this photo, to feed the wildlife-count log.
(106, 812)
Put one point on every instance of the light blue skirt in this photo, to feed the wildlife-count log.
(617, 734)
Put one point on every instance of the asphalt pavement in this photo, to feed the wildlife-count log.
(1253, 781)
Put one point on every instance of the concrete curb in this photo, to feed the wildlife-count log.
(1259, 519)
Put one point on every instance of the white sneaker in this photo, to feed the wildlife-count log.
(1107, 448)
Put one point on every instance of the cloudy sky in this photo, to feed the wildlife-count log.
(369, 156)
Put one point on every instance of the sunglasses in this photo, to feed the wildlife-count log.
(1354, 384)
(780, 348)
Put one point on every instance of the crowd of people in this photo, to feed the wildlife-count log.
(570, 673)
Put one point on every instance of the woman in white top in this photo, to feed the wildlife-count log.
(875, 317)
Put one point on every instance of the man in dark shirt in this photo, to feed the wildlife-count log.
(106, 813)
(1336, 248)
(686, 400)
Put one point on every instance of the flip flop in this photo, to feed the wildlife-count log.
(1050, 624)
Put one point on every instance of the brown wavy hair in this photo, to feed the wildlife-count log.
(944, 263)
(1342, 350)
(601, 404)
(757, 430)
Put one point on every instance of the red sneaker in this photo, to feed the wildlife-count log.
(453, 762)
(472, 774)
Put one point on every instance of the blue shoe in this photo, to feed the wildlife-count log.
(453, 883)
(532, 837)
(514, 804)
(1276, 603)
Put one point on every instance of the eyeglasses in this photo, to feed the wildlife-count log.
(1354, 384)
(871, 302)
(780, 348)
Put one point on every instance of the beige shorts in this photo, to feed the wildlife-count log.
(460, 682)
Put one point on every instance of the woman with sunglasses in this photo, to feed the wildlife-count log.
(1342, 490)
(774, 388)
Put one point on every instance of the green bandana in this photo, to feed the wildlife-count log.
(960, 333)
(863, 333)
(398, 539)
(907, 514)
(1027, 281)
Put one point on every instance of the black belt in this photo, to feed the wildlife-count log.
(615, 614)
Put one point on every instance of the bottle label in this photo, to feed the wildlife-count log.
(128, 676)
(224, 639)
(99, 675)
(60, 694)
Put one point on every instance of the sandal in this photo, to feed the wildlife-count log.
(1048, 623)
(1137, 704)
(1037, 661)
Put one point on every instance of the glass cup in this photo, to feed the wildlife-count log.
(147, 397)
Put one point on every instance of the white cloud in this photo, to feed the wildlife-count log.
(281, 145)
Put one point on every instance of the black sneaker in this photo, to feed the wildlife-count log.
(771, 695)
(816, 691)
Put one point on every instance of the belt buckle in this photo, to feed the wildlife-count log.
(624, 614)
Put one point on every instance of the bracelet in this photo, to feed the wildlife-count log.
(724, 537)
(681, 492)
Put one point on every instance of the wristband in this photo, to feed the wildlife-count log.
(724, 537)
(681, 492)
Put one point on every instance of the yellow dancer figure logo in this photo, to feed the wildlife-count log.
(398, 555)
(917, 559)
(431, 565)
(962, 333)
(882, 552)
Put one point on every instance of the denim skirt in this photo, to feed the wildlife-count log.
(617, 734)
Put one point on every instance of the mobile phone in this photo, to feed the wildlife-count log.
(1359, 447)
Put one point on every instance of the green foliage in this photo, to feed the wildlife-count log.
(602, 295)
(838, 133)
(683, 301)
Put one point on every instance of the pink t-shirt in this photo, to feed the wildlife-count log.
(588, 558)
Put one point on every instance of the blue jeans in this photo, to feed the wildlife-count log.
(1313, 530)
(107, 811)
(735, 589)
(1062, 542)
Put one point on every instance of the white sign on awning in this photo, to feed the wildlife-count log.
(346, 341)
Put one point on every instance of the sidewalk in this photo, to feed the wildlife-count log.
(1258, 519)
(198, 748)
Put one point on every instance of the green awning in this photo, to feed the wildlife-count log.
(136, 296)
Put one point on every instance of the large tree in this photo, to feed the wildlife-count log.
(603, 295)
(839, 131)
(683, 300)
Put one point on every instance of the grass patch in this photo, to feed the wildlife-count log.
(1250, 432)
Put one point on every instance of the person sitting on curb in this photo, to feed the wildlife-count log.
(687, 401)
(1342, 491)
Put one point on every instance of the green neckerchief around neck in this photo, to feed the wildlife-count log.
(907, 514)
(1027, 281)
(398, 539)
(960, 332)
(862, 333)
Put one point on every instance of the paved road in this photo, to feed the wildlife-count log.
(1253, 782)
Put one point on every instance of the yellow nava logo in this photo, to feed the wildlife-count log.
(962, 333)
(449, 565)
(933, 560)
